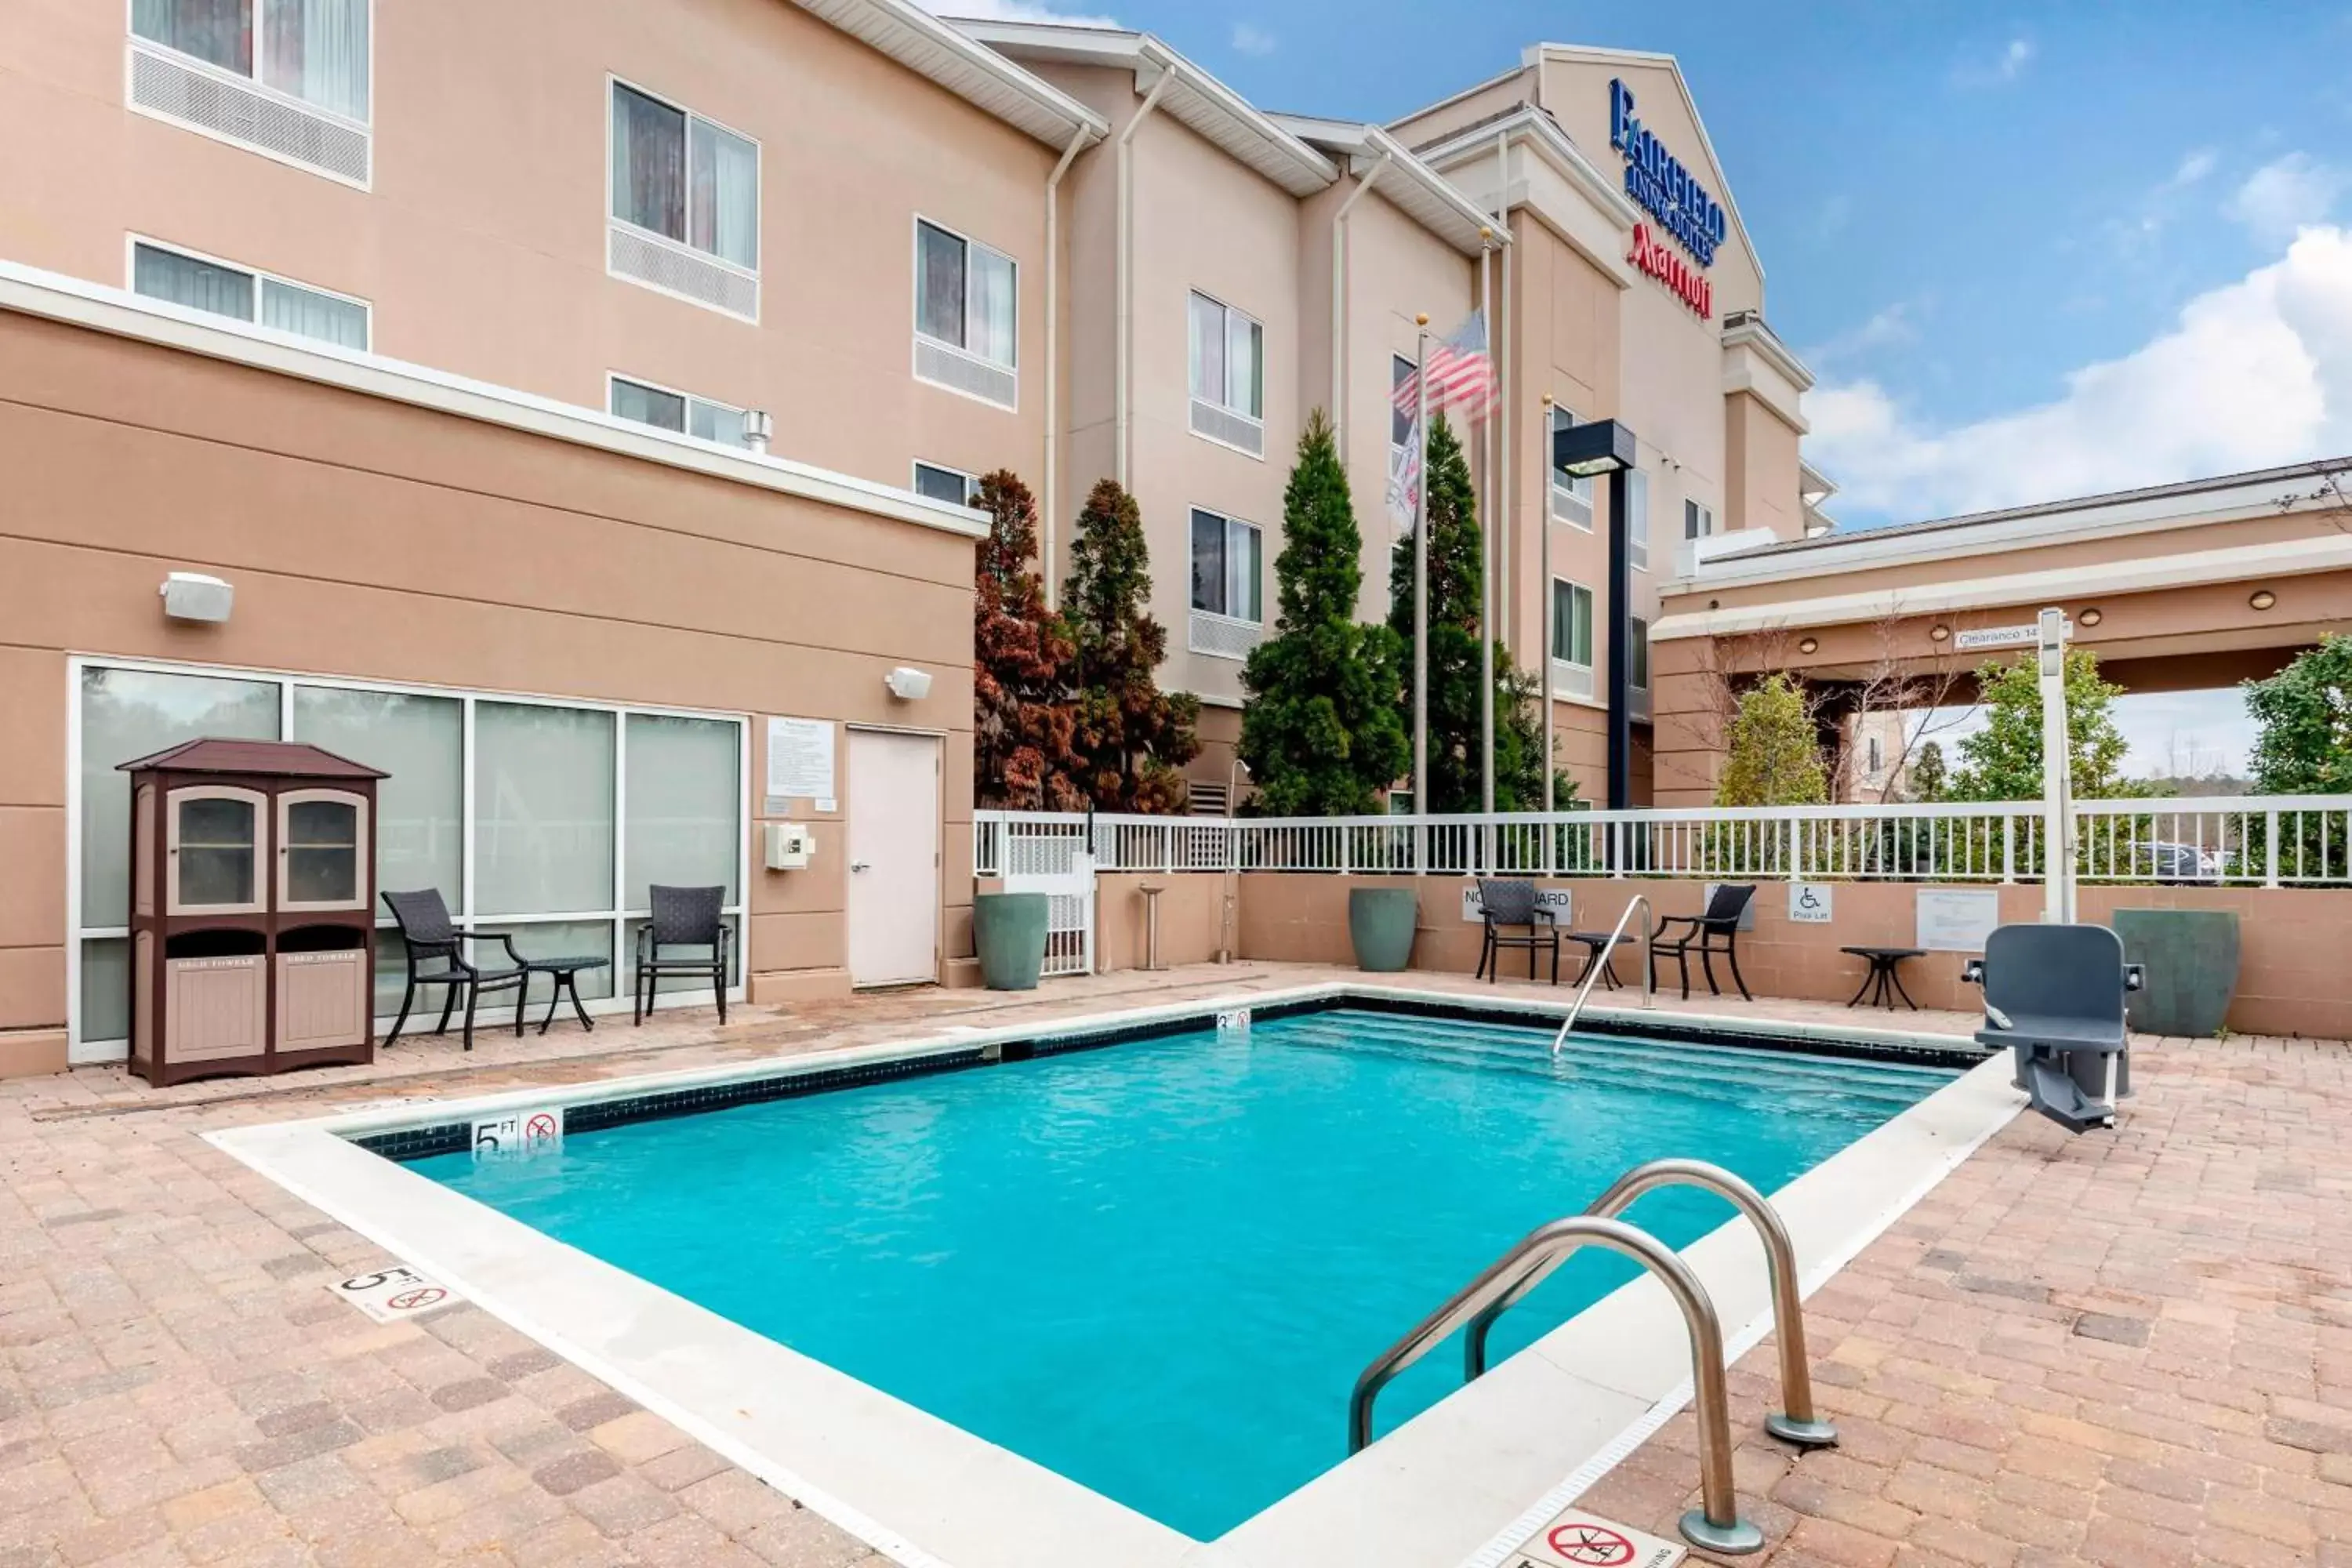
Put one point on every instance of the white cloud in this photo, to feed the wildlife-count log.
(1887, 328)
(1013, 11)
(1253, 40)
(2253, 372)
(2005, 67)
(2166, 735)
(2285, 195)
(2193, 168)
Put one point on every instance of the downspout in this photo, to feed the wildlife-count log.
(1126, 348)
(1052, 363)
(1340, 299)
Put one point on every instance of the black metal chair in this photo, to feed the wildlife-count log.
(1716, 930)
(688, 917)
(427, 932)
(1515, 918)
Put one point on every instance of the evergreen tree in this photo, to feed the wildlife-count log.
(2003, 759)
(1454, 572)
(1132, 737)
(1928, 774)
(1775, 753)
(1023, 721)
(1321, 735)
(2303, 743)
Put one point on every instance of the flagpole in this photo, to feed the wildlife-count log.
(1420, 605)
(1543, 650)
(1486, 578)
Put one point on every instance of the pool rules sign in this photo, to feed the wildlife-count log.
(1579, 1540)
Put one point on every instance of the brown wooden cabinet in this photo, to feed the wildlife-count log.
(252, 909)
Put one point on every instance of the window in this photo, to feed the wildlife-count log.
(965, 295)
(312, 50)
(1399, 422)
(1571, 497)
(952, 485)
(563, 812)
(245, 295)
(686, 204)
(1571, 622)
(1877, 760)
(1637, 518)
(646, 403)
(1637, 652)
(1228, 359)
(1226, 560)
(1698, 521)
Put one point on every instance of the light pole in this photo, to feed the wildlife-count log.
(1587, 451)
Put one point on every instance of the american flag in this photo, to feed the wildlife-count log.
(1460, 370)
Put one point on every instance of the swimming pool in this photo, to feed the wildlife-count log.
(1156, 1268)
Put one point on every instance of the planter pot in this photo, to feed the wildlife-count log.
(1380, 924)
(1009, 930)
(2192, 959)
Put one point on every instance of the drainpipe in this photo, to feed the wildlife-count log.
(1340, 299)
(1126, 348)
(1052, 364)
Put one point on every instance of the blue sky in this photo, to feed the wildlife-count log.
(2029, 251)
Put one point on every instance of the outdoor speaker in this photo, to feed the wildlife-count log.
(908, 684)
(192, 596)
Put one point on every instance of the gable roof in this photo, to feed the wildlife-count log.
(1192, 97)
(981, 76)
(1424, 194)
(278, 759)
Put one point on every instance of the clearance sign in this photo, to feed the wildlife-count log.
(1684, 209)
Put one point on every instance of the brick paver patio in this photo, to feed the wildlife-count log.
(2128, 1349)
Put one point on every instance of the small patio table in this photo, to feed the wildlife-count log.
(1883, 962)
(1598, 947)
(566, 974)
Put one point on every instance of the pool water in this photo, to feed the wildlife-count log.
(1157, 1268)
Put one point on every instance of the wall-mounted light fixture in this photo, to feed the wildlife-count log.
(2090, 617)
(1809, 645)
(194, 597)
(2262, 598)
(1939, 634)
(908, 684)
(759, 429)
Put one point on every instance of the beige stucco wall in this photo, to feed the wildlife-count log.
(1759, 458)
(481, 245)
(371, 539)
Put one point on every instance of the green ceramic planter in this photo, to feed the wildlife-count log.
(2192, 959)
(1380, 924)
(1009, 930)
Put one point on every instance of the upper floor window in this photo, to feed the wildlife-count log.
(967, 313)
(1399, 422)
(940, 482)
(1637, 653)
(1699, 520)
(201, 283)
(694, 184)
(1571, 497)
(285, 78)
(1228, 556)
(646, 403)
(1228, 366)
(1637, 516)
(1571, 622)
(1877, 757)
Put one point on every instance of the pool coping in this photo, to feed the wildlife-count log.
(1461, 1483)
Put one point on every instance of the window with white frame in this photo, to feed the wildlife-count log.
(545, 820)
(1400, 420)
(645, 404)
(1572, 495)
(967, 311)
(246, 294)
(289, 78)
(1699, 520)
(953, 486)
(1227, 357)
(1228, 556)
(1637, 653)
(1637, 516)
(1571, 622)
(686, 203)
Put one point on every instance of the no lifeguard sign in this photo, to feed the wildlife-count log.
(1579, 1540)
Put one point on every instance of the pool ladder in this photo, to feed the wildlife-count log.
(1600, 966)
(1715, 1524)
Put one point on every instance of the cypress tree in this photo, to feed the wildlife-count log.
(1321, 735)
(1132, 737)
(1023, 720)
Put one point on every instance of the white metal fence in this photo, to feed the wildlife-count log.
(2256, 840)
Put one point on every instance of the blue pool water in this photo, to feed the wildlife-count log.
(1158, 1267)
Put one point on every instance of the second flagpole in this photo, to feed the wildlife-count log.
(1420, 605)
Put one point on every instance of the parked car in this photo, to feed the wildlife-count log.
(2175, 862)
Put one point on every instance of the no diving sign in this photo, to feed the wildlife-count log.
(1579, 1540)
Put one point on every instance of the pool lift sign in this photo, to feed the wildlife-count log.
(1579, 1540)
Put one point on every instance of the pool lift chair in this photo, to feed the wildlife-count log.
(2054, 994)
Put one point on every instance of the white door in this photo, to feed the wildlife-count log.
(894, 857)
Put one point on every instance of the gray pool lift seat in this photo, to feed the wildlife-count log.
(2054, 994)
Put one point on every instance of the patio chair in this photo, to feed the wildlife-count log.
(428, 933)
(1507, 906)
(1713, 931)
(682, 918)
(2054, 994)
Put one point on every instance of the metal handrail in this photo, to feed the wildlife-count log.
(1601, 966)
(1797, 1422)
(1715, 1524)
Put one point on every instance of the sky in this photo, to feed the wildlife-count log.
(2029, 251)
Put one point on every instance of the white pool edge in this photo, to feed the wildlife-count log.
(1461, 1483)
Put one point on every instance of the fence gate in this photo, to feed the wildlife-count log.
(1062, 870)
